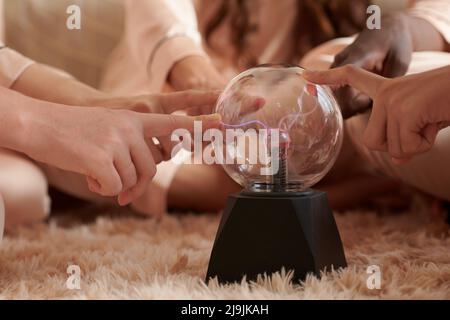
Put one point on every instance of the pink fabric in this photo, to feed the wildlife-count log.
(2, 217)
(436, 12)
(157, 35)
(12, 65)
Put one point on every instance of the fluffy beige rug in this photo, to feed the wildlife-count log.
(123, 256)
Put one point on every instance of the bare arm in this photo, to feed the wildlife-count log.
(50, 84)
(109, 147)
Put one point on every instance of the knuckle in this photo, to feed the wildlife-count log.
(104, 158)
(115, 189)
(130, 175)
(113, 141)
(372, 142)
(172, 122)
(127, 128)
(195, 82)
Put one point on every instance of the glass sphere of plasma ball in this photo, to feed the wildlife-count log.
(307, 116)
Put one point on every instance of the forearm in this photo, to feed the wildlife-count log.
(16, 110)
(49, 84)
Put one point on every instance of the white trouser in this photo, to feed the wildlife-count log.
(2, 217)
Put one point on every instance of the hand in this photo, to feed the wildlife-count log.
(407, 112)
(194, 102)
(107, 146)
(195, 72)
(386, 52)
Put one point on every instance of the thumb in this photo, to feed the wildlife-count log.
(157, 125)
(360, 79)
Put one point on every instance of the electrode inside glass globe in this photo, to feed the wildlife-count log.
(276, 100)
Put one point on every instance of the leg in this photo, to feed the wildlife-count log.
(426, 172)
(2, 217)
(24, 190)
(200, 187)
(352, 180)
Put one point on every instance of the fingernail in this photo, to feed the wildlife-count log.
(123, 198)
(260, 102)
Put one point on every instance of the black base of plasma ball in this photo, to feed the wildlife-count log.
(263, 233)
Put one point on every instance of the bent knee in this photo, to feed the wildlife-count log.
(2, 217)
(24, 189)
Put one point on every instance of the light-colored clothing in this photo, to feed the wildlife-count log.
(12, 63)
(150, 47)
(37, 29)
(157, 35)
(436, 12)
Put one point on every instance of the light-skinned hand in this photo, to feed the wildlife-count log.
(407, 112)
(112, 148)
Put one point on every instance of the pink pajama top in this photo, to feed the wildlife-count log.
(159, 33)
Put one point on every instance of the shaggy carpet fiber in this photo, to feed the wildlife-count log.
(122, 256)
